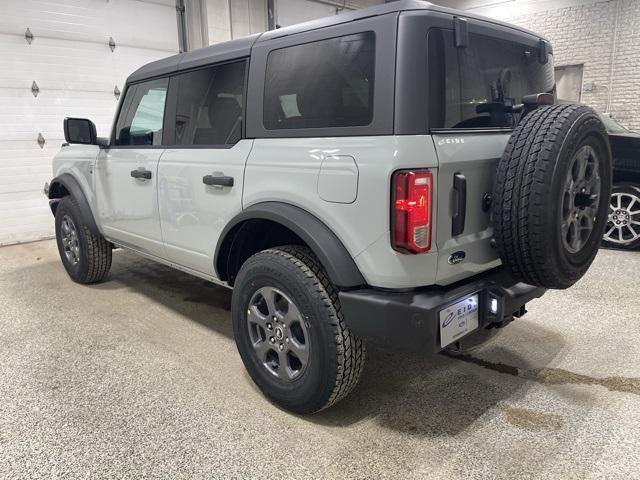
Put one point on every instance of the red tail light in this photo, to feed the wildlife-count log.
(411, 211)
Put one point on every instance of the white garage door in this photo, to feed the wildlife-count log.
(76, 72)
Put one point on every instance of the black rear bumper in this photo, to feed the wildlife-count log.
(410, 319)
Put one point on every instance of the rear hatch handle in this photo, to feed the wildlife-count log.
(460, 204)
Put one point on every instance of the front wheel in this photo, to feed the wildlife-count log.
(289, 331)
(86, 256)
(623, 224)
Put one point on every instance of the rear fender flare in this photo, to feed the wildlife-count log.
(332, 254)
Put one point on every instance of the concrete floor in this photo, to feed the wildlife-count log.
(139, 378)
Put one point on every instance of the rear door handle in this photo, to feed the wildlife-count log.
(218, 180)
(460, 212)
(141, 174)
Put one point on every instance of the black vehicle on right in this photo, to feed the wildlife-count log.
(623, 227)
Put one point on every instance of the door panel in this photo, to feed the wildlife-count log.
(128, 206)
(192, 213)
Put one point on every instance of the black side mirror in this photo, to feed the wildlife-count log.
(80, 130)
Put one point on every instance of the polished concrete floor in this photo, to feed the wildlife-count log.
(139, 377)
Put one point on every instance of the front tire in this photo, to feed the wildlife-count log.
(86, 256)
(290, 333)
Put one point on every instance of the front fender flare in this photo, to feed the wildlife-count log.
(332, 254)
(72, 186)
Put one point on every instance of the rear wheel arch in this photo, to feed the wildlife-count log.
(66, 185)
(271, 224)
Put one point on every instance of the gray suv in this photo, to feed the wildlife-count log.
(398, 174)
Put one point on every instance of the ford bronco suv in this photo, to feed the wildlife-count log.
(399, 174)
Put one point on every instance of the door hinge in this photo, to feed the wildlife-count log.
(29, 36)
(41, 140)
(35, 89)
(461, 32)
(112, 44)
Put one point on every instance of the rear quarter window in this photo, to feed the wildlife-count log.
(328, 83)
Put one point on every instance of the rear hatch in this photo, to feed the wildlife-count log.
(471, 92)
(466, 172)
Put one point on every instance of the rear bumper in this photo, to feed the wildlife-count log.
(410, 319)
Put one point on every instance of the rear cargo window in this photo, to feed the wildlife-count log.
(321, 84)
(470, 87)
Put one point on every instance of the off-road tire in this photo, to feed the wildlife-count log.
(95, 252)
(336, 356)
(528, 194)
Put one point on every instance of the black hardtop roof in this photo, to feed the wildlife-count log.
(241, 47)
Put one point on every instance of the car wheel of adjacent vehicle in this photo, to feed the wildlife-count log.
(289, 330)
(623, 225)
(85, 256)
(552, 194)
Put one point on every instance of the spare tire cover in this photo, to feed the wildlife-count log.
(551, 196)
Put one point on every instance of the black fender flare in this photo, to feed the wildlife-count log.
(72, 186)
(332, 254)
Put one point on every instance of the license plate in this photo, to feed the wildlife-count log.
(458, 319)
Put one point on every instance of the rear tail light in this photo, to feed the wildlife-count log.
(411, 211)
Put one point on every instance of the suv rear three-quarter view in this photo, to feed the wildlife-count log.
(398, 174)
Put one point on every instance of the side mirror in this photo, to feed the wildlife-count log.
(80, 130)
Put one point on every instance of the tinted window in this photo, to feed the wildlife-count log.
(209, 108)
(470, 87)
(322, 84)
(140, 120)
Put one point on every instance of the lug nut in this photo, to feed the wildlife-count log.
(269, 326)
(286, 339)
(281, 347)
(272, 340)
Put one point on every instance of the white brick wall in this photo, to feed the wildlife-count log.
(584, 34)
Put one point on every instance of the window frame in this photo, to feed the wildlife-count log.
(384, 28)
(129, 87)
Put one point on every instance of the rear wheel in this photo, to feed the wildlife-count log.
(289, 331)
(85, 255)
(623, 223)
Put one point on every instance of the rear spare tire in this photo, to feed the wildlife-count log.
(551, 196)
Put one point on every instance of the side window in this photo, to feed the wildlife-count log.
(209, 105)
(140, 120)
(323, 84)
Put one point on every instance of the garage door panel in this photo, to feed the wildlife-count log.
(129, 22)
(59, 64)
(76, 72)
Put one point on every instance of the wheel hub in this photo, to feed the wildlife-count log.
(580, 199)
(70, 240)
(279, 336)
(623, 225)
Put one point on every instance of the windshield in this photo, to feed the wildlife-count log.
(612, 126)
(470, 87)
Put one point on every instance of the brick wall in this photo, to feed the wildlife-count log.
(584, 34)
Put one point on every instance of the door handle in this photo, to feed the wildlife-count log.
(460, 190)
(218, 180)
(141, 174)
